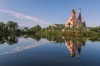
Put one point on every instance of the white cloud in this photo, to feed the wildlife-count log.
(22, 16)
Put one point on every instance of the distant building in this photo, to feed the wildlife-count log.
(73, 21)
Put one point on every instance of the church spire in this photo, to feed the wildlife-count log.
(79, 14)
(79, 52)
(84, 24)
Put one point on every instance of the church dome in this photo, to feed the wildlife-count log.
(73, 11)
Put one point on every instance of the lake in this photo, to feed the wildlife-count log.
(28, 51)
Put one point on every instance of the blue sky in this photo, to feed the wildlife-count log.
(46, 12)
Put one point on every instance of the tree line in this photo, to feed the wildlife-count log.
(11, 27)
(60, 30)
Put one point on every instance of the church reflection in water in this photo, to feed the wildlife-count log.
(73, 46)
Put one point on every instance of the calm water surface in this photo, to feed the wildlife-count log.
(30, 52)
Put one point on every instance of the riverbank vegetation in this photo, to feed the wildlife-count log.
(68, 32)
(13, 28)
(10, 32)
(56, 30)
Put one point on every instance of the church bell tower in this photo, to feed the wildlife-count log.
(79, 14)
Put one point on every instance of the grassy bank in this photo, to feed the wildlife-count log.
(68, 33)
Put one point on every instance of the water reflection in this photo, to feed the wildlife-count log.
(13, 39)
(74, 45)
(48, 50)
(71, 43)
(25, 47)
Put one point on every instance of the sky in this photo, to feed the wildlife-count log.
(48, 12)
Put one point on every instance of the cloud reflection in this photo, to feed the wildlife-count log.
(22, 48)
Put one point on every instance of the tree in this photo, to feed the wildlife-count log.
(50, 27)
(68, 28)
(36, 28)
(12, 26)
(1, 25)
(26, 29)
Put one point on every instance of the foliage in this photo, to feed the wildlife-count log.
(11, 27)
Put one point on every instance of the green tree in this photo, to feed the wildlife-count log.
(1, 25)
(12, 26)
(36, 28)
(26, 29)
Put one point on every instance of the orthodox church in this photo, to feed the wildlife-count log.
(73, 21)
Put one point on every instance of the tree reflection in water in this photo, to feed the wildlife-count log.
(13, 39)
(72, 43)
